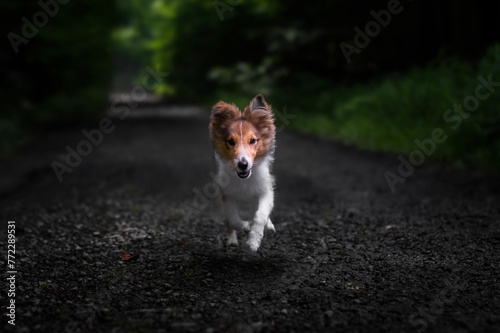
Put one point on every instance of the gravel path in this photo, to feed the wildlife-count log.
(348, 256)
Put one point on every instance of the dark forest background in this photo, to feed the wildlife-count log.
(391, 92)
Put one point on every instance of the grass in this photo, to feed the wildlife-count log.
(351, 286)
(44, 285)
(391, 112)
(163, 301)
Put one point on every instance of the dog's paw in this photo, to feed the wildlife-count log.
(232, 239)
(254, 240)
(270, 226)
(253, 244)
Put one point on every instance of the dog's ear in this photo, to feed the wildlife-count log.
(258, 102)
(260, 114)
(220, 120)
(224, 111)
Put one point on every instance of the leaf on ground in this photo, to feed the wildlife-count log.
(126, 257)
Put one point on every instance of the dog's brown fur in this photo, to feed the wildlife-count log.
(228, 124)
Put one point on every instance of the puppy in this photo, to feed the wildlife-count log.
(243, 144)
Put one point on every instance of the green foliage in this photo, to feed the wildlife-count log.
(392, 112)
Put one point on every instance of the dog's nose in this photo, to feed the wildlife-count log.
(243, 165)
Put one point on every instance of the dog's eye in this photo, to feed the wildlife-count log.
(231, 142)
(252, 141)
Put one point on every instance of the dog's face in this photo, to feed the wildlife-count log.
(242, 138)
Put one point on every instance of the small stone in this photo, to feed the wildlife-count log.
(196, 316)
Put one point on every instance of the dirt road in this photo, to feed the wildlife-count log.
(349, 255)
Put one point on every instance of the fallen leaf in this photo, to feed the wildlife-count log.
(125, 256)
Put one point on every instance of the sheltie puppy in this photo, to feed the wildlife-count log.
(243, 144)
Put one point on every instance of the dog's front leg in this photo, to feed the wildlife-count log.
(261, 220)
(233, 217)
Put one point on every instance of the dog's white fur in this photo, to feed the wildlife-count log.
(248, 202)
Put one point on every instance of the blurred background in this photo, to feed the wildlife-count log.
(378, 89)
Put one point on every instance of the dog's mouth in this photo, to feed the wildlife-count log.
(244, 174)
